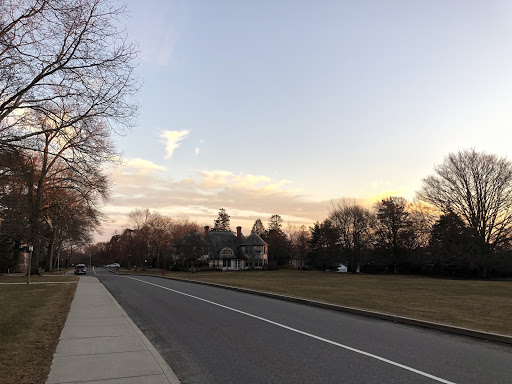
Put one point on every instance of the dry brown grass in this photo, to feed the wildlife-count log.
(31, 320)
(474, 304)
(38, 279)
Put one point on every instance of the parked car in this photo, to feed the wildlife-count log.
(80, 269)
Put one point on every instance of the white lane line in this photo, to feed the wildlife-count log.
(305, 334)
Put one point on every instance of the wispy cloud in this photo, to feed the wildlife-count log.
(142, 183)
(165, 19)
(172, 139)
(166, 48)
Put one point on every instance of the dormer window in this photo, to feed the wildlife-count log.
(226, 251)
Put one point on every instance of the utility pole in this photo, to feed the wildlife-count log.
(30, 249)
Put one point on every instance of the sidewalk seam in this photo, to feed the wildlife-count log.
(100, 353)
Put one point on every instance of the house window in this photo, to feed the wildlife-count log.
(227, 251)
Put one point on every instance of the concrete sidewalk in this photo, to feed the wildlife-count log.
(101, 344)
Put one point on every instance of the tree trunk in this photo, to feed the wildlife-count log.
(51, 248)
(35, 241)
(37, 201)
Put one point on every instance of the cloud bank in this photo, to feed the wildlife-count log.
(246, 197)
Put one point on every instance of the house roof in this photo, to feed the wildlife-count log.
(253, 239)
(223, 239)
(192, 239)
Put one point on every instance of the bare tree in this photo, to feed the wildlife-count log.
(69, 216)
(477, 187)
(66, 81)
(160, 237)
(299, 238)
(140, 219)
(182, 225)
(67, 60)
(422, 217)
(354, 224)
(69, 158)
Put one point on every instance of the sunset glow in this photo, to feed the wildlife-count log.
(279, 108)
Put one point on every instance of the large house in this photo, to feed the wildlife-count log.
(225, 250)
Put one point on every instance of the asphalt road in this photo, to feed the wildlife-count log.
(213, 335)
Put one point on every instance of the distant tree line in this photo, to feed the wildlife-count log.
(460, 225)
(148, 243)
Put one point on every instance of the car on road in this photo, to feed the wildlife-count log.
(80, 269)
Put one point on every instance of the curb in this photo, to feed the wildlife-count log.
(362, 312)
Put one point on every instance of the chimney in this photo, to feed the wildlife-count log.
(239, 235)
(207, 233)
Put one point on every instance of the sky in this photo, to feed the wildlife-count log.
(279, 107)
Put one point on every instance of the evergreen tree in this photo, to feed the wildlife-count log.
(279, 246)
(222, 221)
(452, 245)
(275, 223)
(258, 227)
(393, 227)
(325, 252)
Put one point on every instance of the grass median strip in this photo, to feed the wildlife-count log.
(31, 320)
(474, 304)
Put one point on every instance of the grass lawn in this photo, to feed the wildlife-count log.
(31, 320)
(474, 304)
(37, 279)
